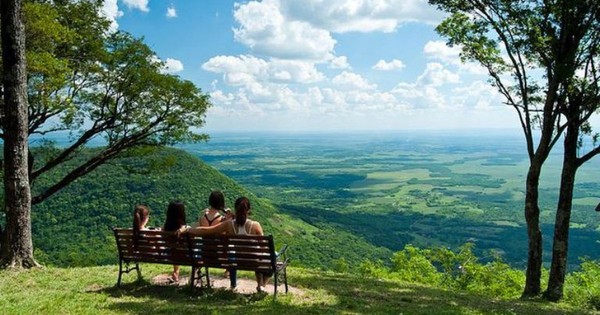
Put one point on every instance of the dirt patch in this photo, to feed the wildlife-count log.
(244, 286)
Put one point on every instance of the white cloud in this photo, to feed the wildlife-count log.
(340, 62)
(267, 31)
(477, 95)
(293, 71)
(425, 91)
(436, 75)
(171, 12)
(420, 96)
(111, 11)
(361, 15)
(230, 64)
(351, 81)
(141, 5)
(244, 70)
(438, 50)
(173, 65)
(394, 64)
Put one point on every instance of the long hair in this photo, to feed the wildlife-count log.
(242, 207)
(140, 214)
(216, 200)
(175, 216)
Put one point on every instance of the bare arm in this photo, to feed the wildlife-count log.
(221, 228)
(256, 229)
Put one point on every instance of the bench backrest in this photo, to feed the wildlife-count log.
(242, 252)
(152, 246)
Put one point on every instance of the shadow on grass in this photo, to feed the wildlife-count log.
(356, 294)
(323, 294)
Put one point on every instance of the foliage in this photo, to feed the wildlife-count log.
(340, 265)
(460, 270)
(87, 82)
(413, 264)
(582, 286)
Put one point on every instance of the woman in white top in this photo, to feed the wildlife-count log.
(240, 225)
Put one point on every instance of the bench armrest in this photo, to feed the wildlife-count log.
(281, 252)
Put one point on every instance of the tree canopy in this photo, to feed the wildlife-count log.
(88, 82)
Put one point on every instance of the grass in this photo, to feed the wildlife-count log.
(92, 291)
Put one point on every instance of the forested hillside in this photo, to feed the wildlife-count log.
(73, 228)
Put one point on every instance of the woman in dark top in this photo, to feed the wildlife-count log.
(216, 212)
(174, 221)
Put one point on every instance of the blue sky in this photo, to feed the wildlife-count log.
(308, 65)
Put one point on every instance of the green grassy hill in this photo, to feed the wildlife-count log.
(73, 227)
(91, 290)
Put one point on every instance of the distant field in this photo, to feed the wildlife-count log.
(436, 189)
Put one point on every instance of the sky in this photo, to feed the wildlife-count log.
(317, 65)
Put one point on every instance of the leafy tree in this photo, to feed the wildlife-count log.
(541, 56)
(89, 83)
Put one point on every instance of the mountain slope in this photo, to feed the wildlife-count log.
(73, 227)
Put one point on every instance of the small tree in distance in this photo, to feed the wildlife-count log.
(87, 82)
(542, 57)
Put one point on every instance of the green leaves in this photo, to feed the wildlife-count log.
(94, 83)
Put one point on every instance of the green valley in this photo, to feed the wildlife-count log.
(423, 188)
(73, 228)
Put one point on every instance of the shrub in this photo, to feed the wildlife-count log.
(413, 264)
(373, 269)
(582, 287)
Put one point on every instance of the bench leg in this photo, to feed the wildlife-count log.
(285, 279)
(139, 272)
(192, 277)
(207, 277)
(128, 270)
(120, 273)
(275, 284)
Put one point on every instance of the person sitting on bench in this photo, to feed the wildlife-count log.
(240, 225)
(175, 220)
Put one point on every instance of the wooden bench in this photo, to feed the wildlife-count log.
(240, 252)
(150, 246)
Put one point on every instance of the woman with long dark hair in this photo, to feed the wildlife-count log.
(141, 214)
(216, 212)
(174, 221)
(240, 225)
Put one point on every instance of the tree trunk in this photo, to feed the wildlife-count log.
(532, 217)
(560, 246)
(17, 250)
